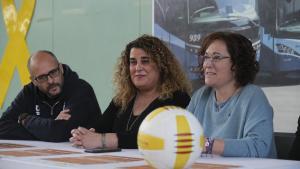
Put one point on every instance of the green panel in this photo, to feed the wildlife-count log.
(146, 16)
(40, 35)
(88, 35)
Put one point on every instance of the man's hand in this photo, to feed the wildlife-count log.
(64, 115)
(22, 118)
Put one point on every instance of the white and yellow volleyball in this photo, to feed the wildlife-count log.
(170, 137)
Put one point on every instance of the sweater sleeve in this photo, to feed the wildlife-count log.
(193, 103)
(198, 102)
(128, 140)
(84, 110)
(257, 140)
(106, 122)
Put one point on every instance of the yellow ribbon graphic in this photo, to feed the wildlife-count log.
(16, 52)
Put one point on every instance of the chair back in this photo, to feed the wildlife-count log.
(284, 142)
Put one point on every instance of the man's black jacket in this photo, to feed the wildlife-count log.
(295, 149)
(77, 95)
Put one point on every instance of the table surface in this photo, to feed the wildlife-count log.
(38, 154)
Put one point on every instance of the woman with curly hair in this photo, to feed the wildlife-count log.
(235, 114)
(148, 76)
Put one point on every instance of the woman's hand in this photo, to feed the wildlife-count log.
(82, 137)
(111, 140)
(85, 138)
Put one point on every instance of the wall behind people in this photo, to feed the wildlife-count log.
(89, 35)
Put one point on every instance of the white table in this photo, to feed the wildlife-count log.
(38, 162)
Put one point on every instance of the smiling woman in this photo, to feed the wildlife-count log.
(235, 114)
(143, 70)
(147, 76)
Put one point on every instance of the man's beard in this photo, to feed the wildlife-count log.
(53, 86)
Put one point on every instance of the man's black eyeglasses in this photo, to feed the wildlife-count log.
(52, 73)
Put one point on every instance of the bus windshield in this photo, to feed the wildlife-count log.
(288, 16)
(205, 11)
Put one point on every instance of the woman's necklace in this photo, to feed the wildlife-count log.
(129, 126)
(220, 105)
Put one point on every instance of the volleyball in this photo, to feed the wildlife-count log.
(170, 137)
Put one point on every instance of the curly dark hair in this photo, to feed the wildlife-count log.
(172, 77)
(242, 54)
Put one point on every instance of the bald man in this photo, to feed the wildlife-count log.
(55, 102)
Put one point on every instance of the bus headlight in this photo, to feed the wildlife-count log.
(283, 49)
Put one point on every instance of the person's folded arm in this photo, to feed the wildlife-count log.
(255, 144)
(257, 138)
(9, 126)
(107, 120)
(84, 111)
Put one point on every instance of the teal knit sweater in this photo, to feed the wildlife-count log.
(244, 121)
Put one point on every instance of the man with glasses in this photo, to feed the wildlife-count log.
(48, 108)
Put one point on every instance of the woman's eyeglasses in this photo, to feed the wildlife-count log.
(214, 58)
